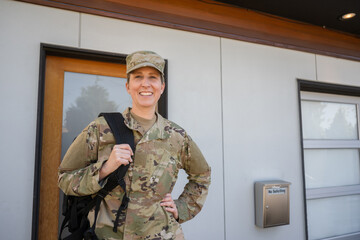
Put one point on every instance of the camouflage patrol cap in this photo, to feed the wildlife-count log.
(141, 59)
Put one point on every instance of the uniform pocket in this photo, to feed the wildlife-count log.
(172, 228)
(164, 175)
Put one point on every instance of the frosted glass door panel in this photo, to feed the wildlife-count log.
(85, 96)
(335, 216)
(326, 120)
(331, 167)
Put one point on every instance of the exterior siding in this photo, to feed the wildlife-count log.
(262, 133)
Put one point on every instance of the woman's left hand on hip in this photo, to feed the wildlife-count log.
(170, 205)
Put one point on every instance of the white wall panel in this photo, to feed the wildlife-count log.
(262, 133)
(336, 70)
(22, 28)
(194, 96)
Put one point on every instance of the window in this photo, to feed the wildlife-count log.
(330, 128)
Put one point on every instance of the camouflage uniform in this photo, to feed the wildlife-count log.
(160, 153)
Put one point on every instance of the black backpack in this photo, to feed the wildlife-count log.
(76, 209)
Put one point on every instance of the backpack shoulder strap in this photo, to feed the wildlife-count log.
(122, 135)
(120, 131)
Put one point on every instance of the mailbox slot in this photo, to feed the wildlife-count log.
(271, 203)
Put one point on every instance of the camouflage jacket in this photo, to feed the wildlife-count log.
(160, 153)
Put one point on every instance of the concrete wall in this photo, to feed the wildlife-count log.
(237, 100)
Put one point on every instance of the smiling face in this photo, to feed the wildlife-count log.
(145, 88)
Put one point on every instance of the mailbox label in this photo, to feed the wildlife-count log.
(273, 191)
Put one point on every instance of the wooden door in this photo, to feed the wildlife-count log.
(54, 130)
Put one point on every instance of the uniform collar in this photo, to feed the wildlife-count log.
(157, 131)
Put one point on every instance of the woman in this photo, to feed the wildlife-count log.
(162, 148)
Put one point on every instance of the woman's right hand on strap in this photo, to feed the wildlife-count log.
(120, 155)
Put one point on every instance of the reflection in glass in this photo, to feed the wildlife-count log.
(326, 120)
(331, 167)
(328, 217)
(85, 96)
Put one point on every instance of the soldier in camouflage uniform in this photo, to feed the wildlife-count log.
(162, 148)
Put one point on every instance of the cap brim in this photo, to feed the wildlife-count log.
(145, 64)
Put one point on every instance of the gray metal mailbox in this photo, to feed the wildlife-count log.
(271, 203)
